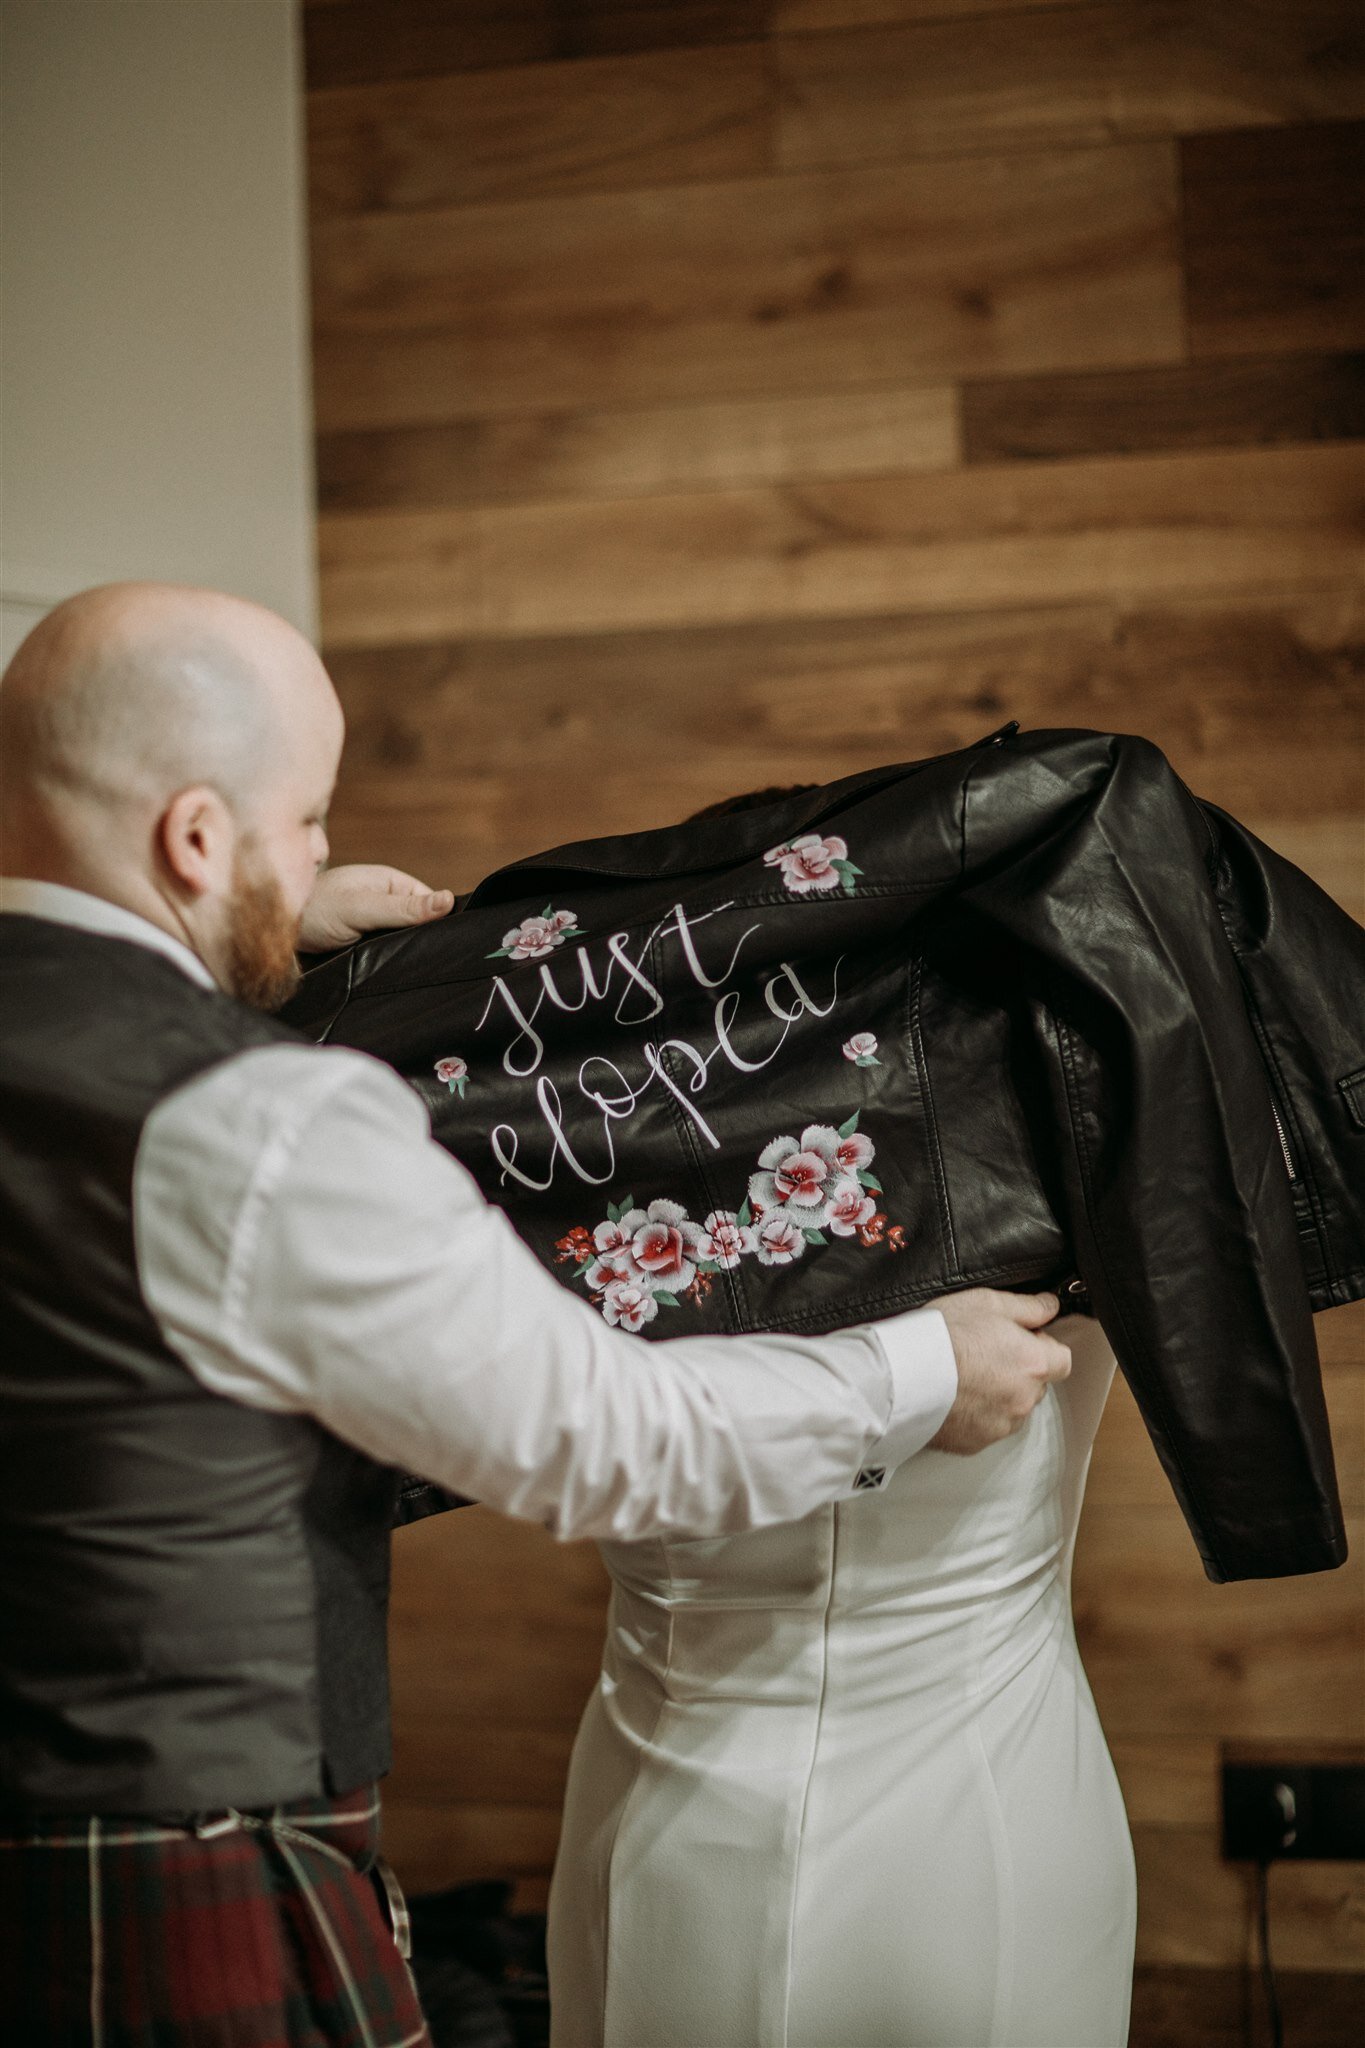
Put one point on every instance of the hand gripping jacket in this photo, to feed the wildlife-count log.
(1025, 1014)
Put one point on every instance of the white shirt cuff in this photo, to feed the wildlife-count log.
(923, 1367)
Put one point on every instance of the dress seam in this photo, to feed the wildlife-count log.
(783, 2040)
(1004, 1867)
(624, 1808)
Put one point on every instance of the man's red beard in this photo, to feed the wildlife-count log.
(261, 938)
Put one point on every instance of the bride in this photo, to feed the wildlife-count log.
(842, 1784)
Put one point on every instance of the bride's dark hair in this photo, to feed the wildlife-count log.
(751, 800)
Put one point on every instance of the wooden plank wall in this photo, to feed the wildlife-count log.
(721, 394)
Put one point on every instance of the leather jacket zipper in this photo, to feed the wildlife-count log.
(1284, 1144)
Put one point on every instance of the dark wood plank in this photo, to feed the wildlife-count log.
(366, 41)
(598, 125)
(1176, 2006)
(1081, 75)
(791, 16)
(362, 41)
(1252, 402)
(749, 287)
(1275, 239)
(639, 448)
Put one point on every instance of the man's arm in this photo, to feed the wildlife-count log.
(306, 1246)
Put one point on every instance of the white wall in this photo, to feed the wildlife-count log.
(155, 409)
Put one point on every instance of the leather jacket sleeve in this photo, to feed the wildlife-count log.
(1178, 1200)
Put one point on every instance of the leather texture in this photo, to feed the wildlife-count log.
(192, 1591)
(1119, 1047)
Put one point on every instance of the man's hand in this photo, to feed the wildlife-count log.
(1005, 1364)
(349, 901)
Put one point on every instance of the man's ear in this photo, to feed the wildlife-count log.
(196, 837)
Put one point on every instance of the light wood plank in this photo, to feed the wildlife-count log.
(640, 449)
(1196, 1909)
(433, 1845)
(1257, 701)
(1126, 1471)
(821, 281)
(597, 125)
(1275, 239)
(1169, 1781)
(1170, 1654)
(1074, 76)
(1150, 527)
(459, 1567)
(479, 1758)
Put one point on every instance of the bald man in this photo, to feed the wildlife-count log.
(240, 1285)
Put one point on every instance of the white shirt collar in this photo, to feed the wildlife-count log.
(76, 907)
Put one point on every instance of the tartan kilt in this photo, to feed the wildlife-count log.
(260, 1930)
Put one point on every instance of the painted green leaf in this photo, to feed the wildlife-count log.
(869, 1181)
(745, 1216)
(815, 1237)
(668, 1300)
(707, 1266)
(847, 1129)
(501, 953)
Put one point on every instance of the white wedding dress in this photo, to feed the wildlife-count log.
(842, 1783)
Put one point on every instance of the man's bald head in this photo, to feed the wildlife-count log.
(151, 737)
(123, 695)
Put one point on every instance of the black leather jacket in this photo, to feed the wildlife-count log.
(1027, 1013)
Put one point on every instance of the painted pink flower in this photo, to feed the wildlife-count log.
(629, 1307)
(809, 863)
(725, 1239)
(798, 1174)
(454, 1072)
(854, 1154)
(850, 1207)
(778, 1241)
(535, 938)
(861, 1049)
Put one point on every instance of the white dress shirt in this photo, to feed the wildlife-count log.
(306, 1246)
